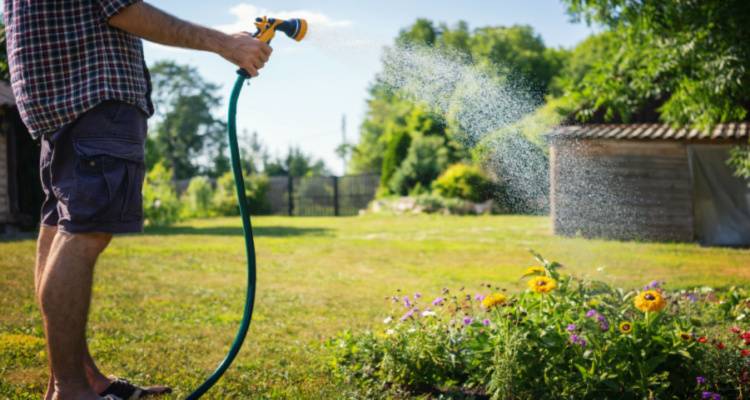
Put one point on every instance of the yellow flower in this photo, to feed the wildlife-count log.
(626, 327)
(542, 284)
(493, 300)
(534, 271)
(650, 300)
(686, 335)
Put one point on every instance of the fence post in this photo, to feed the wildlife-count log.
(335, 195)
(290, 191)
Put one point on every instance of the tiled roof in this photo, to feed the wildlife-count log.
(731, 131)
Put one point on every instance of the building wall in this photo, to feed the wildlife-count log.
(621, 190)
(4, 197)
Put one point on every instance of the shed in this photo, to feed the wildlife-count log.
(20, 191)
(649, 182)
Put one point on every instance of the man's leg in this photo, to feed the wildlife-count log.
(96, 379)
(65, 296)
(43, 245)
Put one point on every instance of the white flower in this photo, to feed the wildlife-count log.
(412, 330)
(390, 332)
(428, 313)
(388, 320)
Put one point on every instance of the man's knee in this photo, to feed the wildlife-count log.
(88, 244)
(95, 242)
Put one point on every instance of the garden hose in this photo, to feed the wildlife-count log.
(295, 29)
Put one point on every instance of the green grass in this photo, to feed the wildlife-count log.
(167, 303)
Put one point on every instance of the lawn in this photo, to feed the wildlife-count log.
(167, 303)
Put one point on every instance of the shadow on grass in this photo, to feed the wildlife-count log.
(275, 231)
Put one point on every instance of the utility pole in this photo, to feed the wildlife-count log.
(343, 142)
(343, 149)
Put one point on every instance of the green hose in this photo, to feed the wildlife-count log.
(249, 244)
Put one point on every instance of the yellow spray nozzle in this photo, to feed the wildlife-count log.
(295, 28)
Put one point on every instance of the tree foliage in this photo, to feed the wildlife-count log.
(393, 125)
(296, 163)
(186, 135)
(682, 62)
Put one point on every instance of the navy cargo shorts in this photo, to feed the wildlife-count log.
(92, 171)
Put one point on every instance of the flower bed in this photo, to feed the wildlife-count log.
(562, 338)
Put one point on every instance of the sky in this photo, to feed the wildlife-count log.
(302, 93)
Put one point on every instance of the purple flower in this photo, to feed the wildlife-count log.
(468, 320)
(438, 301)
(692, 297)
(710, 395)
(479, 297)
(603, 323)
(700, 380)
(407, 303)
(591, 313)
(571, 327)
(486, 322)
(575, 339)
(417, 295)
(408, 314)
(653, 285)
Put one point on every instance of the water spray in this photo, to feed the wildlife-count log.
(266, 30)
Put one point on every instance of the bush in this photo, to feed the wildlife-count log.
(161, 206)
(197, 198)
(563, 338)
(398, 147)
(225, 202)
(464, 182)
(427, 158)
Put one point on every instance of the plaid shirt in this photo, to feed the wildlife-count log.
(65, 59)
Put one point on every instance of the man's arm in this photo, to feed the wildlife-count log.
(150, 23)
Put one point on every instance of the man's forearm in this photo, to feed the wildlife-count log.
(150, 23)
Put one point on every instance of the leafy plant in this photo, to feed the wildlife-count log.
(225, 203)
(197, 198)
(426, 159)
(562, 338)
(465, 182)
(160, 203)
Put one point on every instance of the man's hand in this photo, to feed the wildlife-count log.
(246, 52)
(150, 23)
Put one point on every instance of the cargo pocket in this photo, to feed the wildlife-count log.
(109, 175)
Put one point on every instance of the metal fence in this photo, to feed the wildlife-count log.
(321, 195)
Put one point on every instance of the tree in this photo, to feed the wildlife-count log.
(683, 62)
(186, 135)
(392, 123)
(296, 163)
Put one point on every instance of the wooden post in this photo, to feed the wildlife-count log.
(335, 195)
(290, 191)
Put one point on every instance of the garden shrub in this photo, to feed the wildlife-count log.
(426, 159)
(225, 202)
(398, 147)
(161, 206)
(465, 182)
(197, 198)
(563, 338)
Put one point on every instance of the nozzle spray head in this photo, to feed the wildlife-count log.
(295, 28)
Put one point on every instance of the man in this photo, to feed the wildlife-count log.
(83, 90)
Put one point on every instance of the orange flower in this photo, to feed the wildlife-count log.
(650, 300)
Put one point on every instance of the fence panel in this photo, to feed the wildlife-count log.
(321, 195)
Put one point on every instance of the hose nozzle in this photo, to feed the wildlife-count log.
(295, 28)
